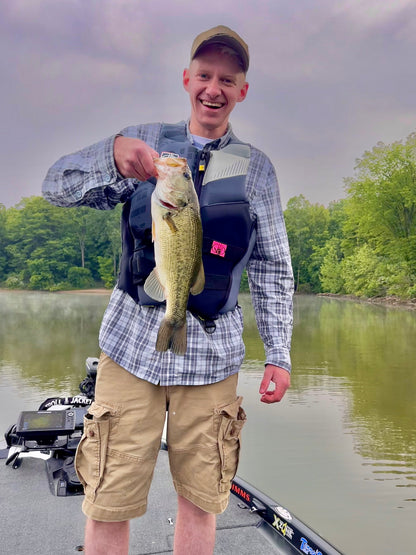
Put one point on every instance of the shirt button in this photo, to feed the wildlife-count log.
(107, 177)
(91, 433)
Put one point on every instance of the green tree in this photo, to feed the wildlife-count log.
(44, 243)
(78, 223)
(102, 239)
(337, 218)
(35, 231)
(112, 231)
(106, 269)
(331, 270)
(307, 229)
(40, 274)
(381, 213)
(363, 273)
(80, 277)
(3, 243)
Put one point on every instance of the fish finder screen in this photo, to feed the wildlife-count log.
(48, 422)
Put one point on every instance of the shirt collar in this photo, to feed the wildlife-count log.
(224, 140)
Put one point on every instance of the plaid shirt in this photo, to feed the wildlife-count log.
(128, 331)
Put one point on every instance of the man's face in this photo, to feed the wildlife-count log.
(215, 83)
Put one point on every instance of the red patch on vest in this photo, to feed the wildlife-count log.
(218, 248)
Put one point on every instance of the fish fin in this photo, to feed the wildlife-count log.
(169, 220)
(153, 287)
(199, 283)
(171, 336)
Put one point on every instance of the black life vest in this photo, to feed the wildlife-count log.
(228, 230)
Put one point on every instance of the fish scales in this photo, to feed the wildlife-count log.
(178, 250)
(177, 236)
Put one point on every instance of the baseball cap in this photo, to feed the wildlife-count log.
(222, 35)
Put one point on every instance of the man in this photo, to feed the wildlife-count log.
(135, 383)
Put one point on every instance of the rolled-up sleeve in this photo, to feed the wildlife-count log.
(88, 177)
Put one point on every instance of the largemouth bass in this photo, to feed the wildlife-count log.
(177, 237)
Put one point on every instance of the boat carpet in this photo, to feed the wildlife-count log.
(33, 521)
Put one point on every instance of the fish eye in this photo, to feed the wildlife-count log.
(186, 175)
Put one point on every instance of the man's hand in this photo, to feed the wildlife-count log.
(134, 158)
(280, 377)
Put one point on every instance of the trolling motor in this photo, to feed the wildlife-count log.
(52, 433)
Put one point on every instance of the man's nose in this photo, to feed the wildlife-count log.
(213, 88)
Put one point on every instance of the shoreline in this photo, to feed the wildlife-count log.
(93, 291)
(391, 302)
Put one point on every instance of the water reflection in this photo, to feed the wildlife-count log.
(373, 349)
(46, 337)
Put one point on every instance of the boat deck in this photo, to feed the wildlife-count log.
(35, 521)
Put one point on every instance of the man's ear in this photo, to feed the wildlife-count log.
(185, 79)
(243, 92)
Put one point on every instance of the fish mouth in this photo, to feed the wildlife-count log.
(167, 205)
(210, 104)
(164, 202)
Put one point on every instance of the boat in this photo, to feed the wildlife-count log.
(48, 437)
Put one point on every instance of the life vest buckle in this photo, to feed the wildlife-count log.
(208, 324)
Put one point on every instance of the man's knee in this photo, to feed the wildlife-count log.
(189, 510)
(106, 537)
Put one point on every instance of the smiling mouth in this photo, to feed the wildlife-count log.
(213, 105)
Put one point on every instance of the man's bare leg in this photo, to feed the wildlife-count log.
(194, 530)
(106, 538)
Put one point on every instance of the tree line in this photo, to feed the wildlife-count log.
(363, 245)
(50, 248)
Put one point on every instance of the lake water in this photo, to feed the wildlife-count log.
(339, 451)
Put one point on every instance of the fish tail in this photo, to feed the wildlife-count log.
(172, 336)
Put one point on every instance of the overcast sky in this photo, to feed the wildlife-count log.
(328, 80)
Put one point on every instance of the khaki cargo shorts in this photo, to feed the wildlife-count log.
(116, 456)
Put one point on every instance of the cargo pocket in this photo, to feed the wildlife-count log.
(92, 449)
(230, 421)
